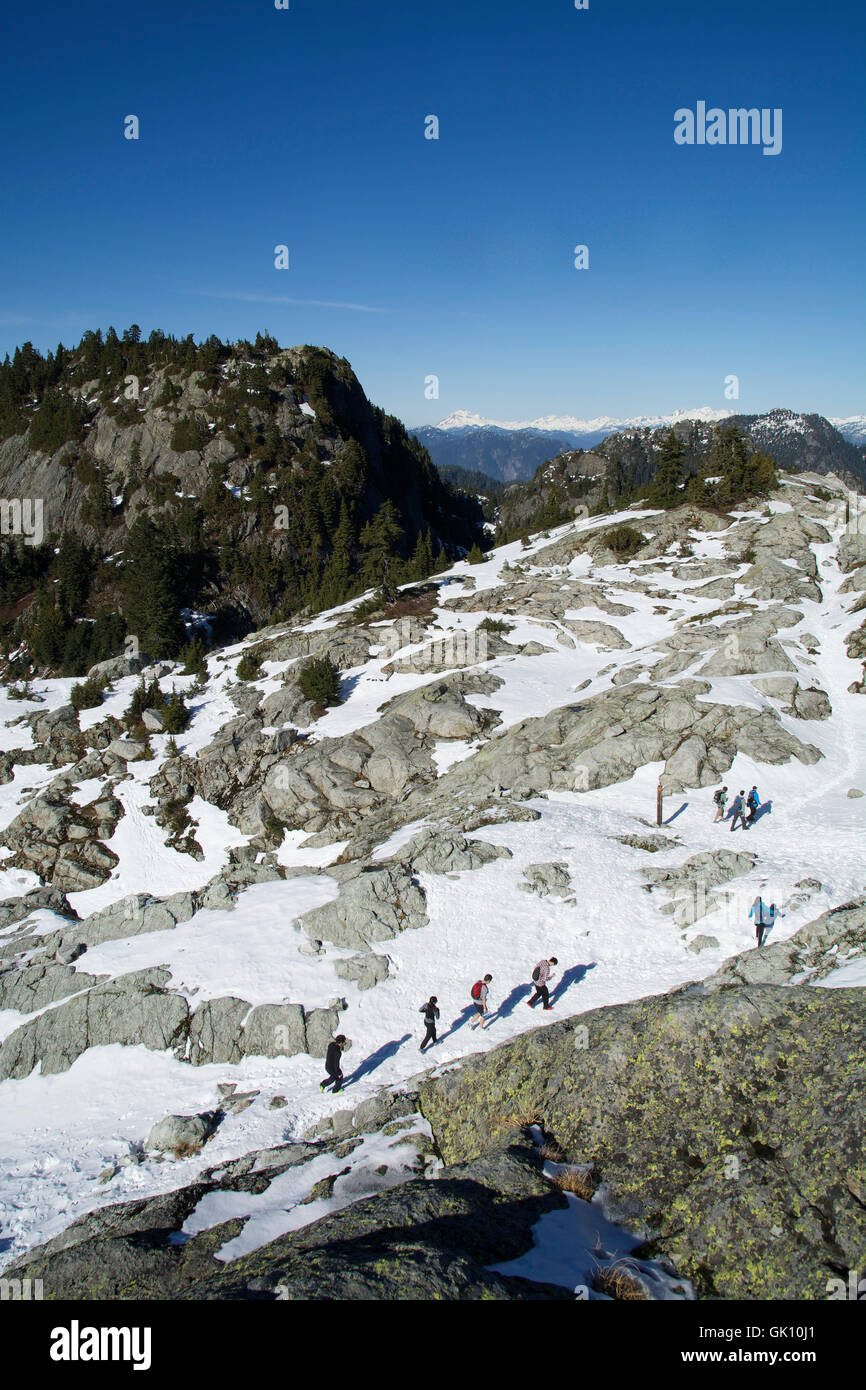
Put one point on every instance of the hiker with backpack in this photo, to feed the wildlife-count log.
(333, 1058)
(753, 801)
(540, 977)
(738, 811)
(431, 1014)
(479, 993)
(721, 800)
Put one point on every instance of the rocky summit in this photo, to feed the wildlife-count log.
(214, 865)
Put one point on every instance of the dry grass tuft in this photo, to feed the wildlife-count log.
(577, 1182)
(620, 1281)
(518, 1119)
(552, 1152)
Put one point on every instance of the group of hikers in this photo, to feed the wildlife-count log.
(744, 808)
(742, 804)
(479, 994)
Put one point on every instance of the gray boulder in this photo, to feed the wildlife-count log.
(374, 904)
(274, 1030)
(216, 1031)
(365, 970)
(548, 878)
(440, 852)
(182, 1135)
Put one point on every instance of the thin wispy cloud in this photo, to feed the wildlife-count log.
(286, 299)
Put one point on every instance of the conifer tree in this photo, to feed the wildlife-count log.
(380, 539)
(421, 563)
(150, 605)
(73, 567)
(665, 490)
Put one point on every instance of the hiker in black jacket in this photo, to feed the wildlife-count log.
(333, 1058)
(431, 1013)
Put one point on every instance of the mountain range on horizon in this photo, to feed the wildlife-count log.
(851, 427)
(511, 451)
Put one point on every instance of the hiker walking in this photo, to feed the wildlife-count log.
(738, 810)
(333, 1058)
(540, 976)
(753, 801)
(760, 914)
(480, 995)
(431, 1014)
(721, 800)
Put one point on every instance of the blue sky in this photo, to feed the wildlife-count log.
(305, 127)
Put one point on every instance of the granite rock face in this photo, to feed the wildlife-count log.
(726, 1126)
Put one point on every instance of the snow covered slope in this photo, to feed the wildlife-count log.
(483, 796)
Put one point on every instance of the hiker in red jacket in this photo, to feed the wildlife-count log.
(540, 976)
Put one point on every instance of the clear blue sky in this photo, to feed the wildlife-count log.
(306, 127)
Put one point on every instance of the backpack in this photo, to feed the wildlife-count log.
(752, 801)
(718, 797)
(536, 974)
(476, 989)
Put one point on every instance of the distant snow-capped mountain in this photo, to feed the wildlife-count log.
(851, 427)
(512, 450)
(571, 424)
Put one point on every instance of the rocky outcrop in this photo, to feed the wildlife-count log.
(690, 884)
(808, 703)
(605, 740)
(544, 879)
(374, 904)
(140, 1008)
(416, 1240)
(63, 843)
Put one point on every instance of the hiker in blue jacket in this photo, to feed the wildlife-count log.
(738, 810)
(763, 922)
(753, 801)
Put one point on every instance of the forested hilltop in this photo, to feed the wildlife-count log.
(712, 466)
(196, 491)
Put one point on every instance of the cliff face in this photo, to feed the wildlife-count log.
(255, 464)
(128, 443)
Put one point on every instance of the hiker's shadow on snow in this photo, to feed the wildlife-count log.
(765, 809)
(376, 1059)
(572, 976)
(463, 1017)
(519, 992)
(684, 807)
